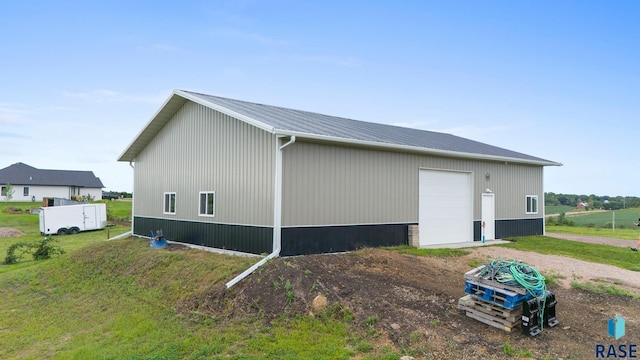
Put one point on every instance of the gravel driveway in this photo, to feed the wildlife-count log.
(568, 269)
(594, 239)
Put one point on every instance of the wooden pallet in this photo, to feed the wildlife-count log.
(474, 276)
(495, 295)
(511, 315)
(492, 321)
(490, 314)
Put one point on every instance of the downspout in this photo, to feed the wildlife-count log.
(277, 214)
(132, 197)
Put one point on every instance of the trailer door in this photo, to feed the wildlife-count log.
(90, 217)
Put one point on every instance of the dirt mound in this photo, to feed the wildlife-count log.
(10, 233)
(412, 301)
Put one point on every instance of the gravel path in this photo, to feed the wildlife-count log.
(572, 269)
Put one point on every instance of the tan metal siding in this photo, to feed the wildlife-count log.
(331, 185)
(201, 149)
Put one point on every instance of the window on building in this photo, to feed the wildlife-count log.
(532, 204)
(169, 203)
(207, 203)
(3, 191)
(25, 191)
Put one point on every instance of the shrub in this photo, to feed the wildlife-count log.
(560, 220)
(15, 253)
(40, 250)
(45, 249)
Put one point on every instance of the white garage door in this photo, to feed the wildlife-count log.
(444, 215)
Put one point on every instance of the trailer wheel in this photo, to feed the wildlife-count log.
(74, 230)
(62, 231)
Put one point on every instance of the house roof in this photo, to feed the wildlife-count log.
(23, 174)
(320, 127)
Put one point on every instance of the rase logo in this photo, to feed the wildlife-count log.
(615, 329)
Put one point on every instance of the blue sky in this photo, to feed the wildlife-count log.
(556, 80)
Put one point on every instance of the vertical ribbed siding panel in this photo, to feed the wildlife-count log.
(200, 149)
(333, 185)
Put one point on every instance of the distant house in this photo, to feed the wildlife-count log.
(31, 184)
(256, 178)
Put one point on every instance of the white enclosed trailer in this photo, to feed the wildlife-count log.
(71, 219)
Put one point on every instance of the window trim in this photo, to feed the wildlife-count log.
(25, 191)
(213, 206)
(529, 204)
(164, 203)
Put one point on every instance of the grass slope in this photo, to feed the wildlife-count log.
(123, 300)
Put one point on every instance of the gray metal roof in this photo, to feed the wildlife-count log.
(23, 174)
(304, 124)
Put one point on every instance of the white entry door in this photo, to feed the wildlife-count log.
(444, 207)
(489, 216)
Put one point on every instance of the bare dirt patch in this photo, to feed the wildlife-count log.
(10, 233)
(414, 300)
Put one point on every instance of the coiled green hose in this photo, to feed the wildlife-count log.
(516, 273)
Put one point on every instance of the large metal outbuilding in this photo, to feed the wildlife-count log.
(254, 178)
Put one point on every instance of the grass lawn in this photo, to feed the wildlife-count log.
(123, 300)
(601, 224)
(623, 218)
(629, 234)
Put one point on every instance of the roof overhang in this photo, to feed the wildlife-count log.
(157, 122)
(412, 149)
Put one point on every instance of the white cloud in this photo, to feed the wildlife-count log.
(13, 113)
(57, 108)
(9, 135)
(9, 151)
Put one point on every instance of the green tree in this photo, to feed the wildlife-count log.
(7, 192)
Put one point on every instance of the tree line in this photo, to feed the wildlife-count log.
(592, 201)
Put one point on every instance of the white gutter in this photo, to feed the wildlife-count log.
(277, 214)
(417, 149)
